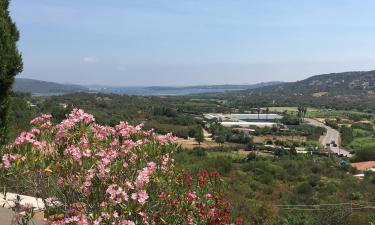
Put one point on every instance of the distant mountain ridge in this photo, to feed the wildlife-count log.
(340, 90)
(218, 86)
(39, 87)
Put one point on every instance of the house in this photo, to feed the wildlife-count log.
(364, 166)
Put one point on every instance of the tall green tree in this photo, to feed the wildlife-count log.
(199, 136)
(10, 64)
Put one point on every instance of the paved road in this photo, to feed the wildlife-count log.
(331, 135)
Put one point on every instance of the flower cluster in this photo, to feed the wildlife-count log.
(87, 173)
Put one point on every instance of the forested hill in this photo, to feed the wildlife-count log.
(335, 83)
(43, 87)
(336, 90)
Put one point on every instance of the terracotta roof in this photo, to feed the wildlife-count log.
(363, 165)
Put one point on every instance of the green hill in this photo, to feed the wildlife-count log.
(38, 87)
(336, 90)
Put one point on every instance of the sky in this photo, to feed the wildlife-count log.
(191, 42)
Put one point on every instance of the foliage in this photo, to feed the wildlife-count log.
(198, 135)
(346, 135)
(331, 123)
(332, 216)
(92, 174)
(290, 120)
(366, 153)
(363, 126)
(284, 180)
(10, 65)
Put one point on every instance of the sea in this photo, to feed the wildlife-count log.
(160, 91)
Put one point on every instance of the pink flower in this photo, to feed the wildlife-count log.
(191, 196)
(78, 115)
(6, 161)
(60, 181)
(140, 196)
(126, 222)
(43, 121)
(116, 194)
(8, 158)
(74, 152)
(166, 138)
(144, 176)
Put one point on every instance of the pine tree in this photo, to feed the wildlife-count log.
(10, 64)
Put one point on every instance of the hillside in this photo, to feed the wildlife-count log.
(336, 90)
(38, 87)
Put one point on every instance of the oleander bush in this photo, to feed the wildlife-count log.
(86, 173)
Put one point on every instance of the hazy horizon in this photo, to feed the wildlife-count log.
(183, 43)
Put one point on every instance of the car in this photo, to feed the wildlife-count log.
(333, 142)
(334, 145)
(328, 144)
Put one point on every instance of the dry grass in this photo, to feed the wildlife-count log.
(263, 139)
(319, 94)
(191, 143)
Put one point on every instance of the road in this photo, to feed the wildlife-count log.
(331, 135)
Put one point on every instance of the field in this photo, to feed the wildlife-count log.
(263, 139)
(315, 112)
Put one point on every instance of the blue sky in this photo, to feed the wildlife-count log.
(188, 42)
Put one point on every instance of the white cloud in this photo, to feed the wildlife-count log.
(89, 59)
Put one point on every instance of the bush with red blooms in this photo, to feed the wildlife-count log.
(86, 173)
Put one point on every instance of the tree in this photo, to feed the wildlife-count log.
(302, 110)
(199, 137)
(258, 112)
(10, 65)
(220, 139)
(366, 153)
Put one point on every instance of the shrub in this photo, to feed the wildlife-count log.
(363, 126)
(332, 123)
(367, 153)
(304, 189)
(86, 173)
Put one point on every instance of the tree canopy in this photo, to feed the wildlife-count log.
(10, 64)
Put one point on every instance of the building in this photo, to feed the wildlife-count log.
(248, 124)
(245, 131)
(242, 117)
(244, 120)
(364, 166)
